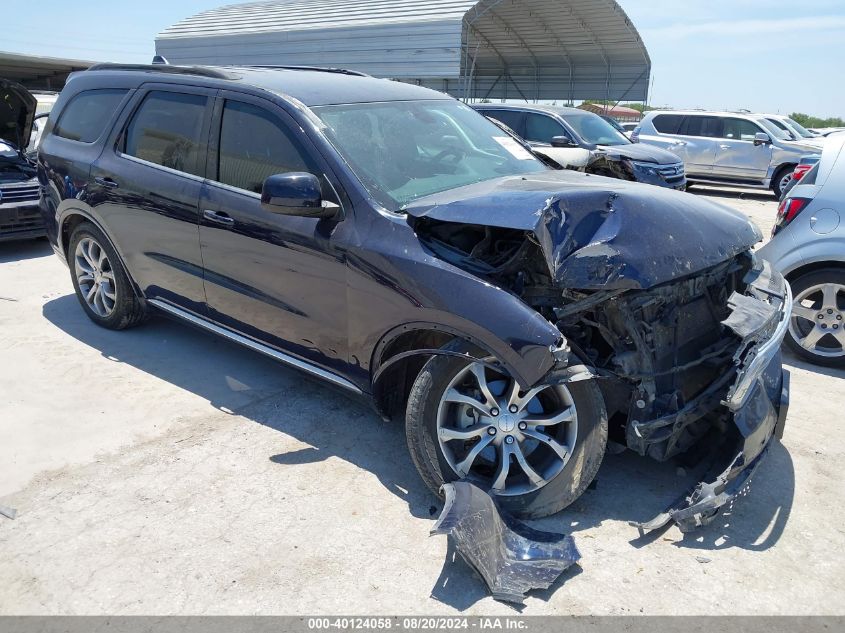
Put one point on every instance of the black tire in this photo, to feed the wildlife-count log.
(779, 175)
(801, 284)
(128, 310)
(557, 494)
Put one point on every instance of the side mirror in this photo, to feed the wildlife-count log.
(562, 141)
(296, 193)
(761, 138)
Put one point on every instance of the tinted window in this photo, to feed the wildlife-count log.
(87, 114)
(541, 128)
(167, 130)
(668, 123)
(706, 126)
(740, 130)
(512, 118)
(255, 145)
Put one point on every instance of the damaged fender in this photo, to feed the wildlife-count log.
(510, 556)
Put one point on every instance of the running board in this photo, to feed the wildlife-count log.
(726, 183)
(254, 345)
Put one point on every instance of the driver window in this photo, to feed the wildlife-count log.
(540, 128)
(254, 144)
(740, 130)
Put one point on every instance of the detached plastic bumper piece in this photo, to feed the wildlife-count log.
(511, 557)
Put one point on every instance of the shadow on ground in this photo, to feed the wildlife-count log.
(24, 249)
(238, 381)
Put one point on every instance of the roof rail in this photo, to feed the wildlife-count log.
(319, 69)
(202, 71)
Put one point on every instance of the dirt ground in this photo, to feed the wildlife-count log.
(164, 471)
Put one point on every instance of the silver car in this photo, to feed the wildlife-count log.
(732, 149)
(808, 247)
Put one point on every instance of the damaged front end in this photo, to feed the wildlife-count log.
(659, 295)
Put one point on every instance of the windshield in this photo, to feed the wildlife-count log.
(404, 150)
(795, 125)
(595, 130)
(776, 131)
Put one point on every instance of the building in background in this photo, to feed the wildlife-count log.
(532, 50)
(620, 113)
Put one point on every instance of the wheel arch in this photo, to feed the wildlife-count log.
(72, 217)
(392, 384)
(812, 267)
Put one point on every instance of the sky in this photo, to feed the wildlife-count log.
(777, 56)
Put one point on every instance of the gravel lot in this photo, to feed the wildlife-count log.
(164, 471)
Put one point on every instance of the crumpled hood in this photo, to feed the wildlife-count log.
(640, 152)
(601, 233)
(17, 110)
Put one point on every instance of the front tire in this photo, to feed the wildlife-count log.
(781, 180)
(101, 284)
(817, 326)
(535, 450)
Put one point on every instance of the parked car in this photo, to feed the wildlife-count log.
(392, 242)
(580, 140)
(828, 131)
(798, 131)
(804, 165)
(725, 148)
(19, 189)
(808, 246)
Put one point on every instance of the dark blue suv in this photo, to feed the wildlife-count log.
(396, 244)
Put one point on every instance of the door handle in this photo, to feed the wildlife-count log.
(725, 146)
(106, 182)
(679, 143)
(220, 218)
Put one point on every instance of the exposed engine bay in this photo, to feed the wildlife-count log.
(664, 356)
(14, 165)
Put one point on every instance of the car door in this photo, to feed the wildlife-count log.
(278, 279)
(696, 143)
(540, 129)
(738, 156)
(146, 186)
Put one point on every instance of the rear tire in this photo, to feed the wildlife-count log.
(819, 301)
(101, 284)
(578, 471)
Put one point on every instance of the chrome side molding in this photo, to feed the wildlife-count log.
(254, 345)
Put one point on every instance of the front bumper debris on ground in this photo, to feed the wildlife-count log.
(511, 557)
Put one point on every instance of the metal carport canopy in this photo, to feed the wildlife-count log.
(37, 72)
(512, 49)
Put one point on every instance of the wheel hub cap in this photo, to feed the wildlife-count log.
(508, 439)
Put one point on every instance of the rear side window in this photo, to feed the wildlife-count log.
(542, 129)
(254, 145)
(668, 123)
(167, 130)
(87, 114)
(704, 126)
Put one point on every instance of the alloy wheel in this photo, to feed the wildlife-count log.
(784, 182)
(514, 440)
(817, 322)
(95, 276)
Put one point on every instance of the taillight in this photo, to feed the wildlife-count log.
(787, 211)
(800, 170)
(635, 135)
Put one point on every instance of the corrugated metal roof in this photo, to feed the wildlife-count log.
(299, 15)
(534, 49)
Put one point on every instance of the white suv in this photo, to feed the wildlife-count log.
(725, 148)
